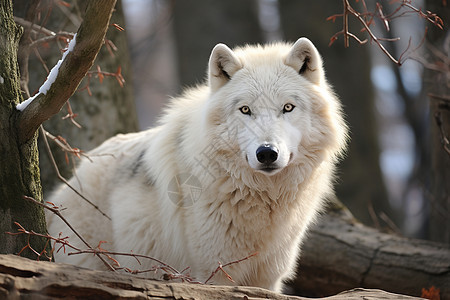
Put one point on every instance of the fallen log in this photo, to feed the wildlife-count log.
(340, 254)
(21, 278)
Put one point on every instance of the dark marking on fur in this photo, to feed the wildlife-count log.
(137, 164)
(230, 226)
(138, 170)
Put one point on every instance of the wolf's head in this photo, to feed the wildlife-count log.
(270, 106)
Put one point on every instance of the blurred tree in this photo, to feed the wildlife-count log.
(415, 115)
(109, 111)
(438, 87)
(360, 183)
(200, 24)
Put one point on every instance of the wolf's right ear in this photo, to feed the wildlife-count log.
(223, 63)
(306, 60)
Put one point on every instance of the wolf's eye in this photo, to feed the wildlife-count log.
(288, 108)
(245, 110)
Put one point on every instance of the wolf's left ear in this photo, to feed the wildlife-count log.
(306, 60)
(223, 63)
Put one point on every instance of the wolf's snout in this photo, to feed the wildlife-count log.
(266, 154)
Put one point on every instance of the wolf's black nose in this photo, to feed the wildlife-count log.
(266, 154)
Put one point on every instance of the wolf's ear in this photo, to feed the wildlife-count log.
(306, 60)
(223, 63)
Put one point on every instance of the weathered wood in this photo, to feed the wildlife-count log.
(28, 279)
(341, 254)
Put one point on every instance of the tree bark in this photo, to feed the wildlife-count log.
(19, 171)
(20, 277)
(342, 254)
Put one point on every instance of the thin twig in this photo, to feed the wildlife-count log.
(56, 212)
(372, 35)
(392, 226)
(440, 97)
(34, 27)
(366, 18)
(70, 115)
(100, 75)
(220, 267)
(373, 216)
(92, 250)
(62, 241)
(55, 166)
(345, 22)
(170, 273)
(51, 38)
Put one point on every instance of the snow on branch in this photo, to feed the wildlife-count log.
(65, 77)
(51, 77)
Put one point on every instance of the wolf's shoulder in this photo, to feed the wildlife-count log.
(128, 142)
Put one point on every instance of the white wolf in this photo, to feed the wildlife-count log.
(239, 165)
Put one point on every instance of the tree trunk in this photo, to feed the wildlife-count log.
(23, 278)
(342, 254)
(438, 88)
(360, 181)
(19, 171)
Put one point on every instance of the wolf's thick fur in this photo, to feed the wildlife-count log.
(255, 148)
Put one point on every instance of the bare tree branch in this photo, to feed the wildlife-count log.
(30, 26)
(89, 39)
(367, 19)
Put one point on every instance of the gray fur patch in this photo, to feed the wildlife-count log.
(137, 164)
(137, 169)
